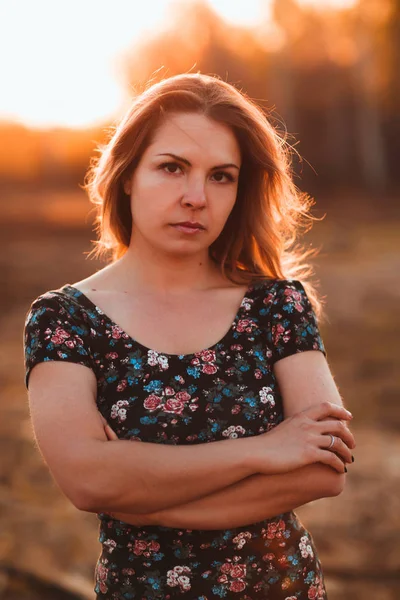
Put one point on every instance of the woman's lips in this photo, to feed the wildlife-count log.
(187, 229)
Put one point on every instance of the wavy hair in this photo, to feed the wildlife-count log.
(258, 239)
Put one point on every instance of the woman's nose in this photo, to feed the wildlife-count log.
(195, 196)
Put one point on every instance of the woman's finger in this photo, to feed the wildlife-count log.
(338, 446)
(327, 409)
(329, 458)
(110, 433)
(339, 429)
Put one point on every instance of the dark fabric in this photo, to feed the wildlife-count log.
(226, 391)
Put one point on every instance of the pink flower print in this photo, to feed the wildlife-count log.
(112, 355)
(238, 571)
(173, 405)
(268, 298)
(139, 547)
(245, 325)
(116, 332)
(122, 385)
(226, 568)
(237, 347)
(236, 409)
(209, 369)
(257, 374)
(312, 592)
(290, 598)
(182, 396)
(59, 336)
(195, 362)
(269, 556)
(222, 579)
(154, 546)
(207, 355)
(70, 344)
(152, 402)
(237, 586)
(277, 332)
(118, 410)
(275, 529)
(193, 407)
(169, 391)
(101, 576)
(295, 297)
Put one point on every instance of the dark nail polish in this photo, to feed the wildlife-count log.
(352, 458)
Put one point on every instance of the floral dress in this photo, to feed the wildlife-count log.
(226, 391)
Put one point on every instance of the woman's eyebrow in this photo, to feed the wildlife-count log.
(186, 162)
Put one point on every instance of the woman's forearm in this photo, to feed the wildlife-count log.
(251, 500)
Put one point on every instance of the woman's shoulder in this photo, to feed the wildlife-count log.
(56, 304)
(274, 285)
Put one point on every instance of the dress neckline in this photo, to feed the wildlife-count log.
(86, 302)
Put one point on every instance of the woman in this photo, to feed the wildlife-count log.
(201, 354)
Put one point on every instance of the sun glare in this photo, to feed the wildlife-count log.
(60, 67)
(322, 4)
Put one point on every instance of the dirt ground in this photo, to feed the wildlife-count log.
(43, 241)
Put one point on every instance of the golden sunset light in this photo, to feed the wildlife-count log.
(62, 65)
(116, 223)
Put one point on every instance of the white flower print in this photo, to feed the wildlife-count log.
(154, 359)
(305, 548)
(266, 397)
(179, 576)
(233, 432)
(118, 411)
(110, 545)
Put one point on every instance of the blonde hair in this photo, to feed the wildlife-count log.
(258, 238)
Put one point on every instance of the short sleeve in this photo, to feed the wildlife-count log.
(52, 332)
(293, 324)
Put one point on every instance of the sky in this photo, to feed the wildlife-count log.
(58, 59)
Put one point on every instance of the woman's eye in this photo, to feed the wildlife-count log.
(227, 175)
(170, 165)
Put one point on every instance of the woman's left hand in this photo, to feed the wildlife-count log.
(131, 518)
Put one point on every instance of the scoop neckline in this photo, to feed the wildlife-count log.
(77, 293)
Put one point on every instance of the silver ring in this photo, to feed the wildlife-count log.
(332, 442)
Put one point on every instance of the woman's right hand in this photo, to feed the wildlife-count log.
(304, 438)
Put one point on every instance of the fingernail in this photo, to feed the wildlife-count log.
(345, 469)
(352, 458)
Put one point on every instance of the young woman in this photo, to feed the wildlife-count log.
(198, 347)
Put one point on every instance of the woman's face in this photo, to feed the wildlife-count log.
(198, 184)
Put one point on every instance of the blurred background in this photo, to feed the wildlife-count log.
(327, 72)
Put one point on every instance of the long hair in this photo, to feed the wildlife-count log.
(258, 238)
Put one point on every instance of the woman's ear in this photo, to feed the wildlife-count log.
(127, 186)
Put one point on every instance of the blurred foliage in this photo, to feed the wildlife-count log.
(329, 77)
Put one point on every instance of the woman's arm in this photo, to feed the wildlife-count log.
(253, 499)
